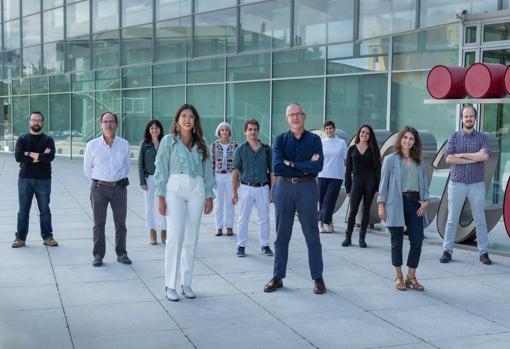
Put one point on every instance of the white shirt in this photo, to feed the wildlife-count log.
(335, 153)
(224, 162)
(105, 163)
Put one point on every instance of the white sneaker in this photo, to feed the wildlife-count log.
(321, 227)
(188, 292)
(171, 295)
(328, 228)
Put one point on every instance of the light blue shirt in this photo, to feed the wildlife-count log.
(175, 158)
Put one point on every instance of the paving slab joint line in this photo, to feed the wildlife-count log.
(71, 195)
(60, 297)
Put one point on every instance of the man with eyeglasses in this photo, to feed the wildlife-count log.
(106, 163)
(297, 159)
(34, 151)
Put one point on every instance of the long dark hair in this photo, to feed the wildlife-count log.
(415, 152)
(147, 138)
(197, 136)
(372, 144)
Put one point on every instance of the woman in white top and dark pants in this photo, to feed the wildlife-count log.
(331, 177)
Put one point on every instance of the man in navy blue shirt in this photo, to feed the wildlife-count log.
(297, 159)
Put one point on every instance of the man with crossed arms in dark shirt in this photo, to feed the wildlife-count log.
(297, 159)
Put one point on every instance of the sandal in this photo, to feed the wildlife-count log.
(414, 284)
(400, 284)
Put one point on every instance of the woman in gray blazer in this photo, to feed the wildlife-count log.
(403, 198)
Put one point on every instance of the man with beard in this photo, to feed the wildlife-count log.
(466, 152)
(106, 163)
(34, 151)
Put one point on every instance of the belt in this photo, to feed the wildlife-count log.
(408, 194)
(295, 180)
(223, 171)
(254, 184)
(106, 184)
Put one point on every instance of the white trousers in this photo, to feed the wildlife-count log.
(185, 197)
(151, 208)
(223, 208)
(247, 197)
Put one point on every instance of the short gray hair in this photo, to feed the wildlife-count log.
(222, 125)
(292, 105)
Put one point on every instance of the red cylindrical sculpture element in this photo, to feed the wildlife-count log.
(485, 80)
(507, 80)
(446, 82)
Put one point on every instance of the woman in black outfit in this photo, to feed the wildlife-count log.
(362, 175)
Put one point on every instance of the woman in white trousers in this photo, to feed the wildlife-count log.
(184, 184)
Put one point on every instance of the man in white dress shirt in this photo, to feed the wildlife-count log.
(106, 163)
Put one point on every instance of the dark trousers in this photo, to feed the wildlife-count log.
(414, 225)
(100, 197)
(329, 188)
(288, 199)
(363, 187)
(27, 188)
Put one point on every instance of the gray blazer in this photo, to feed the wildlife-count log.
(390, 190)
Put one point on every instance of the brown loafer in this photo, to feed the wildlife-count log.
(320, 286)
(50, 242)
(18, 243)
(273, 284)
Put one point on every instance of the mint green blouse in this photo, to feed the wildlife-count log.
(409, 176)
(175, 158)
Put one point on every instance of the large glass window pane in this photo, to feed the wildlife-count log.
(82, 121)
(12, 60)
(248, 101)
(54, 57)
(20, 115)
(11, 9)
(408, 92)
(39, 85)
(265, 25)
(106, 49)
(20, 87)
(53, 22)
(32, 60)
(60, 120)
(494, 32)
(77, 19)
(215, 33)
(209, 102)
(105, 15)
(108, 79)
(173, 39)
(206, 70)
(208, 5)
(82, 81)
(136, 113)
(12, 35)
(165, 102)
(137, 44)
(369, 55)
(30, 6)
(172, 8)
(136, 12)
(136, 77)
(168, 74)
(385, 17)
(300, 62)
(78, 50)
(356, 100)
(52, 3)
(32, 30)
(307, 92)
(60, 83)
(249, 67)
(426, 48)
(321, 21)
(434, 12)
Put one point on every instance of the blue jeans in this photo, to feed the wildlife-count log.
(457, 194)
(27, 188)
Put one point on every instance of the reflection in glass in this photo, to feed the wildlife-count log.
(434, 12)
(172, 8)
(52, 3)
(136, 111)
(471, 35)
(105, 15)
(137, 44)
(206, 70)
(168, 74)
(82, 81)
(32, 30)
(136, 12)
(53, 22)
(469, 58)
(82, 121)
(209, 102)
(39, 85)
(136, 77)
(368, 55)
(11, 9)
(215, 33)
(249, 67)
(32, 60)
(173, 39)
(12, 35)
(78, 51)
(108, 79)
(107, 101)
(208, 5)
(20, 87)
(12, 61)
(496, 32)
(54, 57)
(165, 102)
(30, 6)
(40, 103)
(60, 83)
(19, 115)
(77, 23)
(106, 49)
(300, 62)
(385, 17)
(265, 26)
(60, 122)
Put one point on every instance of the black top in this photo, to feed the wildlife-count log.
(146, 161)
(35, 144)
(361, 164)
(299, 152)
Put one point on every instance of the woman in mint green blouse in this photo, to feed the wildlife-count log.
(184, 185)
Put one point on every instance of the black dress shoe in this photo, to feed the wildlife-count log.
(320, 286)
(273, 284)
(446, 257)
(124, 259)
(484, 258)
(97, 262)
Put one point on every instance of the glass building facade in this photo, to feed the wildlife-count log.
(350, 61)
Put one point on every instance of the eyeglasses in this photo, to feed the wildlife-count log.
(39, 121)
(293, 115)
(108, 122)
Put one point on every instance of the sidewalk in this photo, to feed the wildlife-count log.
(54, 298)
